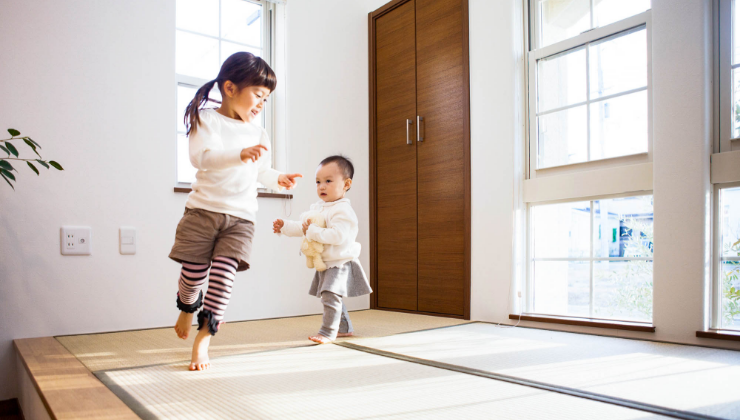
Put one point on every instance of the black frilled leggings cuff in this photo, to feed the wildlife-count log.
(206, 317)
(191, 307)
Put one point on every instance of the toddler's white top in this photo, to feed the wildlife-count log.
(225, 184)
(340, 235)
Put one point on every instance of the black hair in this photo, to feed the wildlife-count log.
(243, 69)
(348, 169)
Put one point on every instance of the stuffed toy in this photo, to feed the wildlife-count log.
(312, 249)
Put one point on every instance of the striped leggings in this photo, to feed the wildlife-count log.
(220, 282)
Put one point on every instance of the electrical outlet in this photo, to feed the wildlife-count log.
(519, 294)
(76, 240)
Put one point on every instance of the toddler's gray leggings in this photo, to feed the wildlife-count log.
(336, 318)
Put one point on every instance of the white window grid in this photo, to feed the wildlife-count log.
(726, 139)
(529, 282)
(614, 30)
(718, 258)
(600, 170)
(267, 48)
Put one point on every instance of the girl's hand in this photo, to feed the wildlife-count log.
(306, 225)
(252, 153)
(288, 180)
(277, 225)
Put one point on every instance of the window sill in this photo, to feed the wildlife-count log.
(585, 322)
(260, 194)
(719, 335)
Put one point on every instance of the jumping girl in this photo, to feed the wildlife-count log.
(232, 155)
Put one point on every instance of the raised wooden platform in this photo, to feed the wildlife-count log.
(67, 389)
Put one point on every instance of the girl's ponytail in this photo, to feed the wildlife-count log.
(192, 118)
(241, 68)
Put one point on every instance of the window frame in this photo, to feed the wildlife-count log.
(598, 179)
(725, 160)
(580, 41)
(724, 140)
(528, 307)
(268, 48)
(717, 258)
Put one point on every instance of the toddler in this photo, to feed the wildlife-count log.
(344, 275)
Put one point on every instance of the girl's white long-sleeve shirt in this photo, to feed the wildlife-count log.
(340, 235)
(225, 184)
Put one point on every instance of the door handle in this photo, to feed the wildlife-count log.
(408, 137)
(419, 120)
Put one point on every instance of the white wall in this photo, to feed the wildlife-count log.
(496, 121)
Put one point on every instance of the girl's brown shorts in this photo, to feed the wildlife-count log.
(202, 235)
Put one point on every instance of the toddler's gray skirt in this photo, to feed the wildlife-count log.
(348, 280)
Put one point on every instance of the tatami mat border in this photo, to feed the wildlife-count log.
(230, 322)
(138, 408)
(678, 414)
(102, 371)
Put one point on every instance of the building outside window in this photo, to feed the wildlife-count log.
(594, 259)
(728, 271)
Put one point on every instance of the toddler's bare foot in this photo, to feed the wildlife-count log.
(347, 334)
(320, 339)
(183, 324)
(200, 361)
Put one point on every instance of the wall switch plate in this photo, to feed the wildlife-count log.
(76, 240)
(127, 240)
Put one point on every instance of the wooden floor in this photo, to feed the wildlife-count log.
(66, 387)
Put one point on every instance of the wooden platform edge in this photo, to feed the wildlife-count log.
(66, 387)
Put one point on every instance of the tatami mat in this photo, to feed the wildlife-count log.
(688, 378)
(331, 382)
(157, 346)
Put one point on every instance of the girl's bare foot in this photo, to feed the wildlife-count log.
(347, 334)
(200, 361)
(320, 339)
(183, 325)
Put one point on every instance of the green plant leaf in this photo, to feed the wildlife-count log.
(56, 165)
(34, 142)
(33, 167)
(44, 164)
(32, 146)
(13, 132)
(8, 174)
(8, 181)
(5, 150)
(12, 149)
(6, 165)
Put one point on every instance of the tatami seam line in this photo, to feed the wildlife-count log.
(655, 409)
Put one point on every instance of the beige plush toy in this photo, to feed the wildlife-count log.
(312, 249)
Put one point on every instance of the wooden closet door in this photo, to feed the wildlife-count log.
(442, 183)
(395, 102)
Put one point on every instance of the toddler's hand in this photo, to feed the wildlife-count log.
(252, 153)
(277, 225)
(288, 180)
(306, 225)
